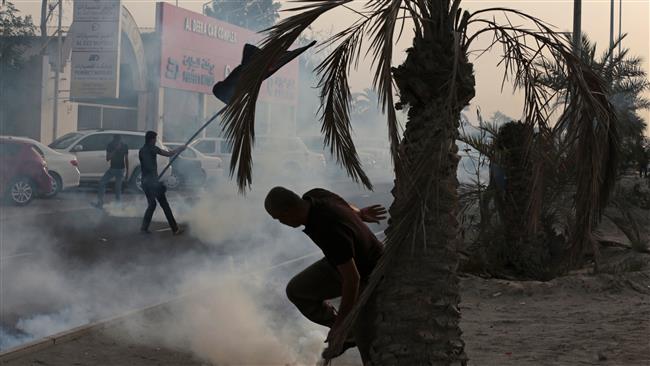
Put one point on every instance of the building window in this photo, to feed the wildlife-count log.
(120, 119)
(96, 117)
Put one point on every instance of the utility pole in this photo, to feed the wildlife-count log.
(55, 109)
(577, 26)
(611, 28)
(620, 24)
(44, 19)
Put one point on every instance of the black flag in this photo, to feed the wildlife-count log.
(224, 90)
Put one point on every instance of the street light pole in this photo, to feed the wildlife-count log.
(577, 17)
(620, 24)
(611, 27)
(55, 106)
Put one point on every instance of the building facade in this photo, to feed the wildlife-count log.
(166, 79)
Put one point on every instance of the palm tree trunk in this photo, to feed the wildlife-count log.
(416, 306)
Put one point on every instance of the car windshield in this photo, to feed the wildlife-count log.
(65, 141)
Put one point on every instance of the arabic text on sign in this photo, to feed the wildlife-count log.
(210, 30)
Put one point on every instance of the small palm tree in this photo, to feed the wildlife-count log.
(413, 295)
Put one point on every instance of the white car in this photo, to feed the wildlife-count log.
(89, 146)
(192, 166)
(63, 167)
(214, 146)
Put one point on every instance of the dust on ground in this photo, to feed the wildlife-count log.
(580, 319)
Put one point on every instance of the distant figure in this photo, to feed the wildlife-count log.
(117, 154)
(351, 253)
(153, 189)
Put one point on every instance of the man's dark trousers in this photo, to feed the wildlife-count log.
(154, 190)
(309, 291)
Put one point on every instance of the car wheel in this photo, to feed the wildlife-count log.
(136, 180)
(21, 191)
(173, 181)
(57, 185)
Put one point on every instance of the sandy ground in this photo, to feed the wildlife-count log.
(575, 320)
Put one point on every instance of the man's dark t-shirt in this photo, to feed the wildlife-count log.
(148, 162)
(120, 151)
(340, 233)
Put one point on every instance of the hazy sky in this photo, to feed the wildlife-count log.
(595, 23)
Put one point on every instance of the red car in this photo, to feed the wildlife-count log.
(23, 172)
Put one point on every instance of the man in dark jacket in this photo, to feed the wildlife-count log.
(117, 156)
(153, 189)
(351, 251)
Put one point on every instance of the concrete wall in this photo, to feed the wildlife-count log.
(67, 111)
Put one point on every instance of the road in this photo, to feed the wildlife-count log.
(64, 263)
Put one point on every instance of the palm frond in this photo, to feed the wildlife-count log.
(335, 102)
(382, 30)
(239, 115)
(478, 143)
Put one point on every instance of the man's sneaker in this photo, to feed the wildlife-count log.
(97, 205)
(145, 231)
(179, 230)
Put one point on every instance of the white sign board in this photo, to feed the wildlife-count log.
(97, 10)
(96, 49)
(95, 36)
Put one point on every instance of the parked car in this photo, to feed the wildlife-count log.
(213, 146)
(271, 154)
(194, 168)
(23, 172)
(89, 146)
(62, 167)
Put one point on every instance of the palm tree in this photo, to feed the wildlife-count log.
(413, 294)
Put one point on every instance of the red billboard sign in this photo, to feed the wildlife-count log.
(197, 51)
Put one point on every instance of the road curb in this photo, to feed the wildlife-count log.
(77, 332)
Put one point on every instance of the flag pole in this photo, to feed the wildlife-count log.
(173, 158)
